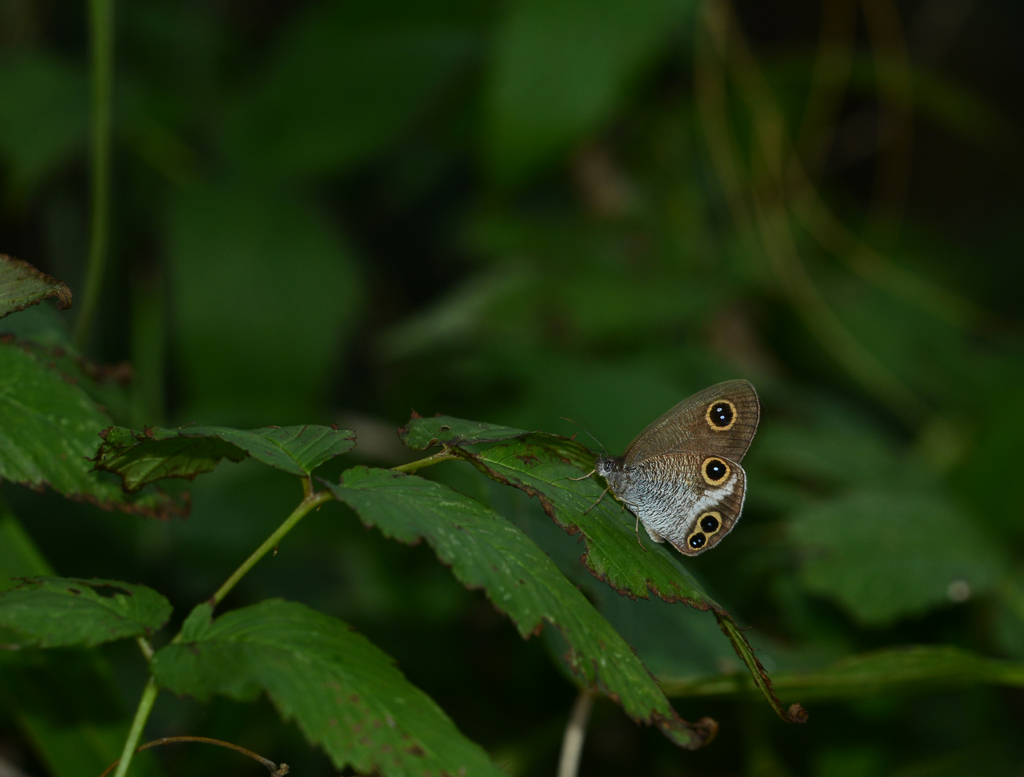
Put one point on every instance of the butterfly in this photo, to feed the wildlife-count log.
(681, 477)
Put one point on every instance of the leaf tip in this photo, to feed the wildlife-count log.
(796, 714)
(63, 297)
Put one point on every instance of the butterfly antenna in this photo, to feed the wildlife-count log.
(592, 437)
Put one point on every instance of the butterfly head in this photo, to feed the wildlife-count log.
(605, 465)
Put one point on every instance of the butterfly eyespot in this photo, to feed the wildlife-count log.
(721, 415)
(697, 540)
(715, 471)
(710, 522)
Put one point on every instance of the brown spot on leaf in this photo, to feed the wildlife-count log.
(528, 459)
(416, 750)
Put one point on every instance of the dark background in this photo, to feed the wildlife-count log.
(336, 212)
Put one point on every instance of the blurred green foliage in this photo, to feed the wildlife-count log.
(335, 212)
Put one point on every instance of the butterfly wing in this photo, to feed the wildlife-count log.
(720, 419)
(690, 499)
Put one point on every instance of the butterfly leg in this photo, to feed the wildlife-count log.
(597, 502)
(636, 530)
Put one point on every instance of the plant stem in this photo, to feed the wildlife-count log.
(307, 504)
(101, 40)
(273, 768)
(436, 458)
(311, 501)
(145, 647)
(138, 724)
(575, 733)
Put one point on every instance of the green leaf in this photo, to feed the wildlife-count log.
(57, 611)
(43, 117)
(266, 291)
(144, 457)
(486, 551)
(49, 429)
(65, 702)
(346, 81)
(883, 555)
(343, 692)
(453, 431)
(544, 465)
(562, 67)
(880, 673)
(22, 285)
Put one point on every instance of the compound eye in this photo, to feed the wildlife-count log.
(697, 540)
(715, 471)
(721, 415)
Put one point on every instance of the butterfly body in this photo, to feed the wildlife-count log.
(681, 476)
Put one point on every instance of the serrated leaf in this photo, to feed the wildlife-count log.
(49, 429)
(22, 285)
(57, 611)
(542, 465)
(64, 701)
(882, 672)
(545, 465)
(344, 693)
(486, 551)
(453, 431)
(144, 457)
(883, 555)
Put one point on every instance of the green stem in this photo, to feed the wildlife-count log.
(437, 458)
(101, 39)
(311, 501)
(575, 733)
(145, 647)
(307, 504)
(141, 716)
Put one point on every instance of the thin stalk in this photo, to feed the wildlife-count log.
(311, 502)
(273, 768)
(575, 733)
(145, 647)
(138, 724)
(437, 458)
(101, 46)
